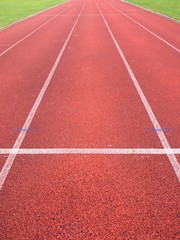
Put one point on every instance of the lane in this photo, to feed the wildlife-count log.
(155, 66)
(153, 11)
(147, 29)
(90, 197)
(32, 15)
(15, 33)
(23, 73)
(32, 32)
(89, 100)
(163, 27)
(7, 167)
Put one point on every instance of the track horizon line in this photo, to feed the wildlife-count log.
(115, 151)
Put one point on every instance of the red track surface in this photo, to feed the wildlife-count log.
(91, 102)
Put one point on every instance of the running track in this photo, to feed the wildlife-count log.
(89, 124)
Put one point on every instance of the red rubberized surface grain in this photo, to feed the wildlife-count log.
(155, 66)
(24, 70)
(163, 27)
(90, 197)
(94, 103)
(2, 160)
(90, 102)
(14, 33)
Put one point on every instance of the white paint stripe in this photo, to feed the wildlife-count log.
(9, 162)
(28, 35)
(117, 151)
(30, 16)
(154, 121)
(149, 10)
(91, 14)
(154, 34)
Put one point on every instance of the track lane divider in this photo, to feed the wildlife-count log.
(33, 15)
(142, 26)
(152, 11)
(9, 162)
(172, 158)
(116, 151)
(28, 35)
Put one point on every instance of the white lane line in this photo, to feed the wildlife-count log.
(149, 10)
(154, 34)
(153, 118)
(30, 16)
(9, 162)
(116, 151)
(28, 35)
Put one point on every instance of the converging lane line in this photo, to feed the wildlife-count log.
(28, 35)
(161, 135)
(33, 15)
(154, 34)
(9, 162)
(150, 10)
(117, 151)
